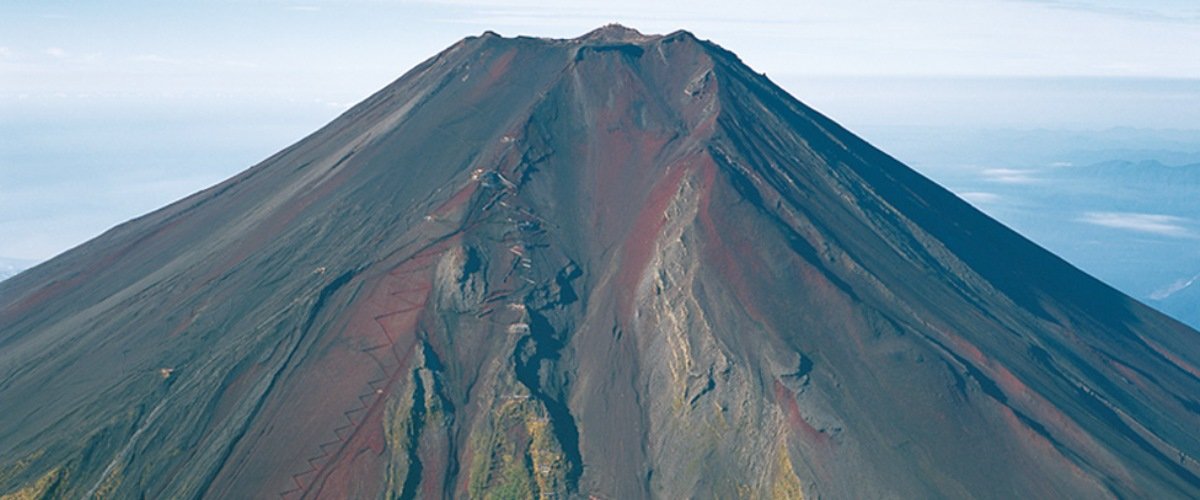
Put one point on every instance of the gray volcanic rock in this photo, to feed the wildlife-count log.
(619, 266)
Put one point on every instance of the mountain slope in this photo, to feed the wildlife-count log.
(618, 266)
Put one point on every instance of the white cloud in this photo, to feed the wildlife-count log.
(55, 52)
(1163, 225)
(1174, 288)
(980, 197)
(1009, 176)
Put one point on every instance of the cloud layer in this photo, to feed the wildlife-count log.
(1159, 224)
(1174, 288)
(1010, 176)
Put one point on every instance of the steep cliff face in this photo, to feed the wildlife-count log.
(617, 266)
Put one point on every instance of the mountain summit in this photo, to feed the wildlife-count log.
(618, 266)
(616, 33)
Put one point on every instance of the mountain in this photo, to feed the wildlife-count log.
(616, 266)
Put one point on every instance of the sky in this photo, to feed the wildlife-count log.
(111, 109)
(343, 49)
